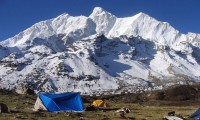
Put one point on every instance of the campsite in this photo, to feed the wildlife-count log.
(99, 60)
(141, 106)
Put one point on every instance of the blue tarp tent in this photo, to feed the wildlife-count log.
(196, 115)
(62, 102)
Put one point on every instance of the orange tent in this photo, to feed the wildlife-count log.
(99, 103)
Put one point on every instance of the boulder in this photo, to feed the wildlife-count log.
(3, 108)
(24, 91)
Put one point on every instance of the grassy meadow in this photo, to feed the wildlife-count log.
(20, 107)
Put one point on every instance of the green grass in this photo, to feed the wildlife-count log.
(147, 111)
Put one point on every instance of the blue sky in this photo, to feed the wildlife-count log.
(18, 15)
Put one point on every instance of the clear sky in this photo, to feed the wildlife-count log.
(18, 15)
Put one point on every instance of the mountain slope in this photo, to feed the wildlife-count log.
(99, 54)
(73, 27)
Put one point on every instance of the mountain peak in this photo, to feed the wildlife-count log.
(103, 19)
(64, 14)
(142, 15)
(98, 10)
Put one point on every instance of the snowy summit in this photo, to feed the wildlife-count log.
(99, 54)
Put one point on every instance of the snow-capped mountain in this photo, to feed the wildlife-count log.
(99, 54)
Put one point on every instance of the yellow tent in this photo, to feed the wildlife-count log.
(99, 103)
